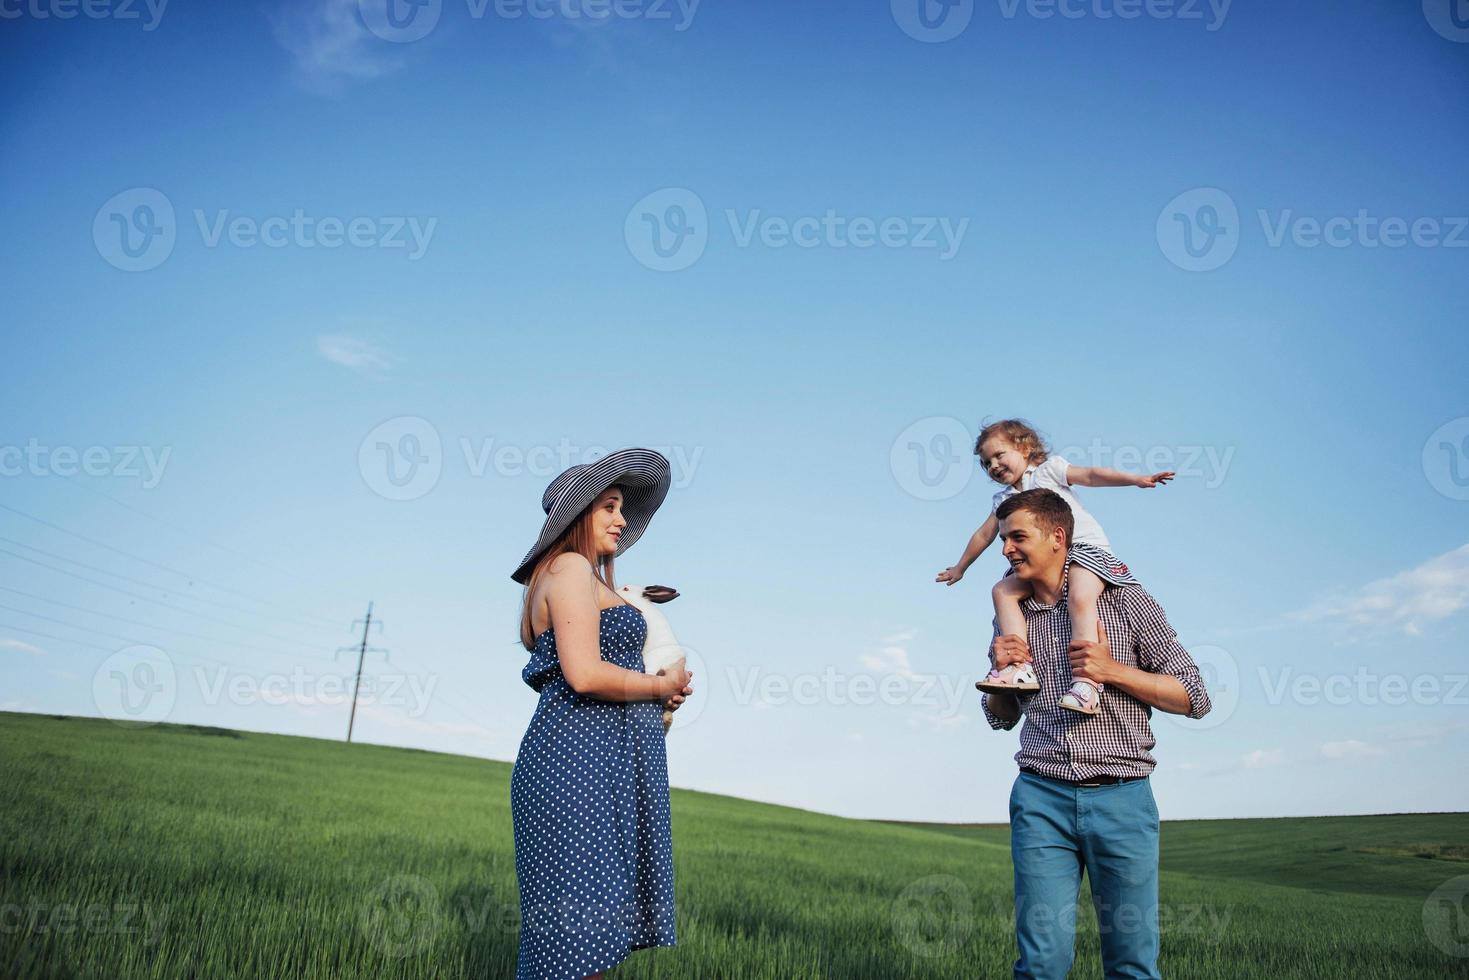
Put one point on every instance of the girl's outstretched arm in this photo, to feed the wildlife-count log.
(978, 541)
(1101, 476)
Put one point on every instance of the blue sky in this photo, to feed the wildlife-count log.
(867, 243)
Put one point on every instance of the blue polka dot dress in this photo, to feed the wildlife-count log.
(589, 798)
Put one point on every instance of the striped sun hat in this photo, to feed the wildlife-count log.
(643, 475)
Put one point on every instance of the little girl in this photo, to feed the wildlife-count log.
(1012, 453)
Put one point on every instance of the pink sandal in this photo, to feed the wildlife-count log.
(1084, 698)
(1016, 677)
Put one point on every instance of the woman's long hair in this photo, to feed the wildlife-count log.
(577, 538)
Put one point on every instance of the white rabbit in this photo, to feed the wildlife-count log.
(661, 649)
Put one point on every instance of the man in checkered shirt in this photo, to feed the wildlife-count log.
(1082, 798)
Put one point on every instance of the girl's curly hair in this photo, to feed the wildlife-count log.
(1020, 434)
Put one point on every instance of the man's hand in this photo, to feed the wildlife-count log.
(1091, 660)
(1156, 479)
(950, 575)
(1009, 650)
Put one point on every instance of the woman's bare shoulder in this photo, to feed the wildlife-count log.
(570, 564)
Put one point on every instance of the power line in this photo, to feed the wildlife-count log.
(111, 636)
(160, 602)
(448, 703)
(53, 636)
(151, 626)
(77, 484)
(167, 568)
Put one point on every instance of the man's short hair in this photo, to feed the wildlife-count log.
(1046, 507)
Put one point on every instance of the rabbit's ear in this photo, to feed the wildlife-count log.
(660, 593)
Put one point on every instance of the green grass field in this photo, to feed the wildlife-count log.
(174, 851)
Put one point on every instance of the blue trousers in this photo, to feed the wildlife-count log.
(1056, 830)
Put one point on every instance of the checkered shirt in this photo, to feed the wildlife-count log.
(1115, 742)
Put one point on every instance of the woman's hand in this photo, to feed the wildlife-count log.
(676, 685)
(950, 575)
(1148, 481)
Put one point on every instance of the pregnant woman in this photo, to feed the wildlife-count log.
(589, 793)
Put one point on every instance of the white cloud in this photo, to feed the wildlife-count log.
(396, 719)
(359, 355)
(20, 646)
(889, 660)
(1407, 601)
(1352, 749)
(329, 43)
(1262, 758)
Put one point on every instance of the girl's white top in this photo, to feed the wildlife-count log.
(1051, 474)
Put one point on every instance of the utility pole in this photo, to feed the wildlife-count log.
(362, 651)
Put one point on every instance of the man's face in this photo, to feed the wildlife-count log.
(1030, 551)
